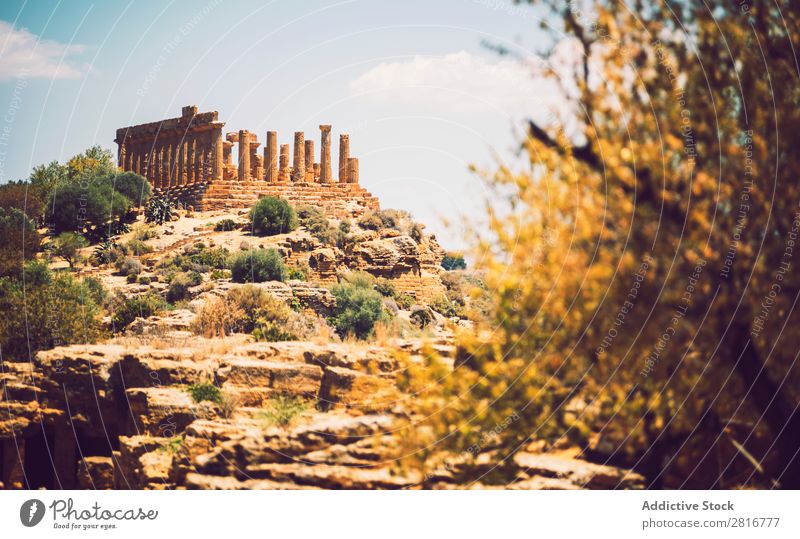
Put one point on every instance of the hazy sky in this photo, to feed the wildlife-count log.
(409, 80)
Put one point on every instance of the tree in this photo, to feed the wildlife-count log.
(358, 306)
(68, 245)
(79, 207)
(135, 187)
(20, 241)
(642, 281)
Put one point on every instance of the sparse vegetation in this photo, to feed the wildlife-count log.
(282, 410)
(315, 222)
(225, 225)
(205, 392)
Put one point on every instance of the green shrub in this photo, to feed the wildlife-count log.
(396, 219)
(385, 287)
(50, 309)
(454, 261)
(128, 266)
(136, 188)
(258, 266)
(405, 301)
(216, 258)
(205, 392)
(297, 273)
(421, 317)
(67, 246)
(159, 209)
(179, 285)
(447, 308)
(125, 309)
(20, 241)
(144, 279)
(96, 290)
(138, 248)
(272, 215)
(283, 409)
(225, 225)
(358, 307)
(315, 222)
(132, 278)
(24, 197)
(217, 274)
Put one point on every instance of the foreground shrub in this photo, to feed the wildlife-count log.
(128, 266)
(272, 215)
(127, 309)
(358, 307)
(258, 266)
(51, 309)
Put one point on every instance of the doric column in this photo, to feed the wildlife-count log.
(159, 165)
(344, 155)
(325, 156)
(137, 159)
(255, 171)
(121, 154)
(310, 161)
(352, 170)
(191, 160)
(170, 152)
(316, 172)
(198, 160)
(271, 156)
(216, 149)
(244, 156)
(283, 171)
(182, 162)
(299, 170)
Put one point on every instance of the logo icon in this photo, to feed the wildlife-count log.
(31, 513)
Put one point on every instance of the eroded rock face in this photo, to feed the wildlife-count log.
(118, 416)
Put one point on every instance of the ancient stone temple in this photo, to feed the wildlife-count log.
(190, 159)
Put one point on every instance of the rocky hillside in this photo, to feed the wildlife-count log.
(206, 383)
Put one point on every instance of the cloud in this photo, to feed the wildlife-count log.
(460, 82)
(23, 53)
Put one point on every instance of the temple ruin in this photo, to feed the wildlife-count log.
(190, 159)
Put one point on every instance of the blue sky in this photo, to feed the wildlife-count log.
(410, 81)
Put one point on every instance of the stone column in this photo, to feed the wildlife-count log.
(344, 155)
(216, 149)
(271, 156)
(13, 459)
(121, 152)
(137, 159)
(191, 160)
(159, 165)
(299, 166)
(255, 167)
(198, 160)
(310, 161)
(244, 157)
(182, 163)
(316, 172)
(352, 170)
(170, 164)
(325, 156)
(283, 171)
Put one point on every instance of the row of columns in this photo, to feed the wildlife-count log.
(303, 168)
(176, 161)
